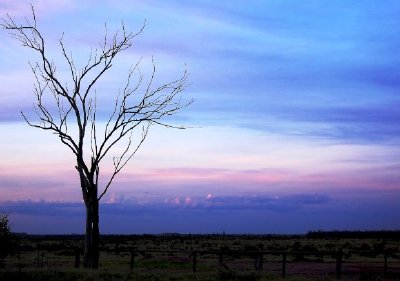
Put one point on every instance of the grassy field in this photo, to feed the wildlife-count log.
(217, 257)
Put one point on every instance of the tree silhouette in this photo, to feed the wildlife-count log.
(72, 113)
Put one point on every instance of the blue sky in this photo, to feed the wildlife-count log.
(295, 118)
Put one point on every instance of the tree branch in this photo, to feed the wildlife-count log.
(78, 105)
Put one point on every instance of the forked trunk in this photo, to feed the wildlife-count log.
(89, 193)
(91, 254)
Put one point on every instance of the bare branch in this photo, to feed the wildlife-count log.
(120, 162)
(75, 109)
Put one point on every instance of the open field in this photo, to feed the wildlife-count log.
(209, 257)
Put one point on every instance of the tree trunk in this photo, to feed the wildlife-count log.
(91, 255)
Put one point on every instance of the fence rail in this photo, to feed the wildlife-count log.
(279, 262)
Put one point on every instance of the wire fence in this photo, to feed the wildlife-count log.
(279, 263)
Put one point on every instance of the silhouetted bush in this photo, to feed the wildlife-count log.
(6, 241)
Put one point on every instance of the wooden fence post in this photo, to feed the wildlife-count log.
(41, 259)
(385, 265)
(339, 259)
(194, 261)
(77, 258)
(38, 259)
(19, 265)
(132, 260)
(284, 265)
(19, 260)
(260, 262)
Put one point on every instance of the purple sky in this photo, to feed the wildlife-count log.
(296, 119)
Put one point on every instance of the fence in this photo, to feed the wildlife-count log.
(281, 263)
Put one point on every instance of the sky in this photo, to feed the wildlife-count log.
(295, 124)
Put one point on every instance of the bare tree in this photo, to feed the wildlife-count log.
(72, 113)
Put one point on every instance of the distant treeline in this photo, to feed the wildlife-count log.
(378, 234)
(161, 236)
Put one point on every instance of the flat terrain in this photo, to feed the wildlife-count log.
(315, 256)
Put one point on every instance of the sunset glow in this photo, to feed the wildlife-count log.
(295, 124)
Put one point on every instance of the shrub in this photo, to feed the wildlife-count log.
(6, 245)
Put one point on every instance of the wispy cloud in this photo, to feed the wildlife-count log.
(43, 208)
(42, 7)
(127, 207)
(181, 186)
(297, 104)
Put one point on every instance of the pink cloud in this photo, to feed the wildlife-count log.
(188, 200)
(47, 184)
(114, 198)
(176, 175)
(181, 201)
(208, 183)
(177, 201)
(187, 183)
